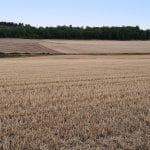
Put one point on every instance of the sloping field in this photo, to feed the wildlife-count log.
(97, 47)
(74, 46)
(75, 102)
(23, 46)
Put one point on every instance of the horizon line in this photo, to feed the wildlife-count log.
(81, 26)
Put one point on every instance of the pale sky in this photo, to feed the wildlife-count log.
(77, 12)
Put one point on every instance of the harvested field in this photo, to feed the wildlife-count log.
(74, 46)
(75, 102)
(97, 47)
(23, 46)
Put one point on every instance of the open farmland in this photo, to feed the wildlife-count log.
(97, 46)
(23, 46)
(73, 46)
(75, 102)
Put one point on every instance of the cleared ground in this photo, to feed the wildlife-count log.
(97, 47)
(73, 46)
(23, 46)
(75, 102)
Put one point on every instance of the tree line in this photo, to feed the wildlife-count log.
(14, 30)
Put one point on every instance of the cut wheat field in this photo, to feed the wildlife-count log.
(73, 46)
(75, 102)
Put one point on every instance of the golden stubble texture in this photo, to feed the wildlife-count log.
(75, 102)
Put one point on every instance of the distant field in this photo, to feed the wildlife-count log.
(23, 46)
(97, 47)
(74, 46)
(75, 102)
